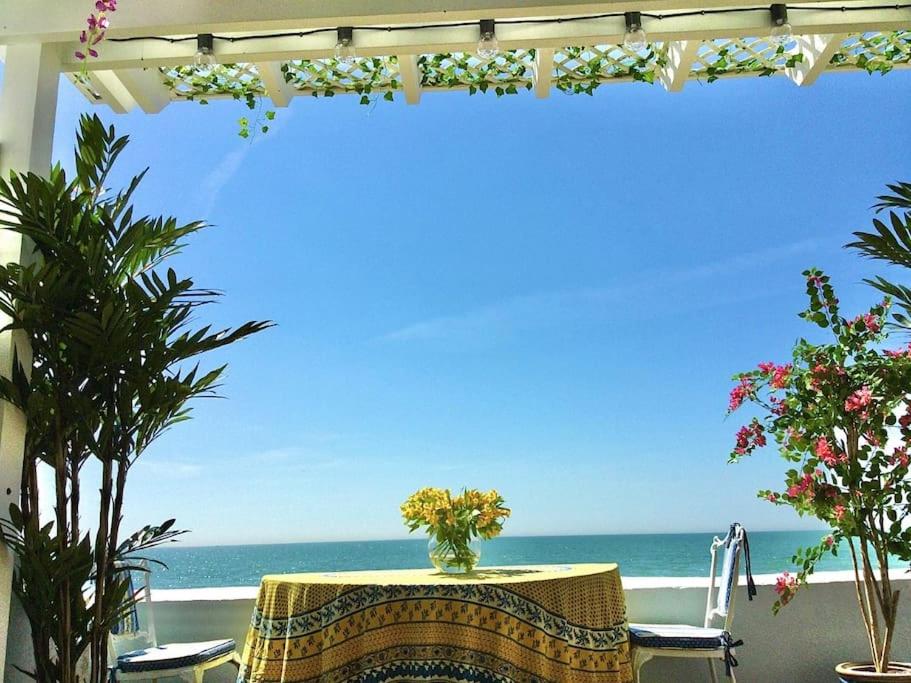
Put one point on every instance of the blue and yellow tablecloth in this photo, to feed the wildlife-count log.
(563, 624)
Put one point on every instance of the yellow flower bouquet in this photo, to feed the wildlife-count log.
(455, 524)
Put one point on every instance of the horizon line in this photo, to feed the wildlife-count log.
(176, 545)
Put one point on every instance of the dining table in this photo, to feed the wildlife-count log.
(521, 624)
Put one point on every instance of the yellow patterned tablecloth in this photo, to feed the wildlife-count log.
(560, 624)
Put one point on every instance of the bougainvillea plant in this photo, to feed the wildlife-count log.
(839, 414)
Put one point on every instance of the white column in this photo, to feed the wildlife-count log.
(28, 105)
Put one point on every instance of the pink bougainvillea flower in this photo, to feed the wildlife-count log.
(826, 453)
(750, 437)
(767, 367)
(740, 393)
(779, 407)
(772, 497)
(805, 485)
(830, 540)
(859, 400)
(839, 512)
(899, 353)
(900, 457)
(786, 585)
(780, 376)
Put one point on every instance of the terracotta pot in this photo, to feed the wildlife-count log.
(856, 672)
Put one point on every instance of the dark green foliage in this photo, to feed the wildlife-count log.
(112, 366)
(890, 241)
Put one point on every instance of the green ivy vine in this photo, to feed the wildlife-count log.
(876, 54)
(328, 77)
(199, 85)
(725, 66)
(505, 74)
(595, 68)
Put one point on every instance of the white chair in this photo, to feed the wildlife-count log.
(702, 642)
(134, 654)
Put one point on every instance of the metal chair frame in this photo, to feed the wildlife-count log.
(193, 673)
(641, 655)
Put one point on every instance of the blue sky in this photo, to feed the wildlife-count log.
(547, 297)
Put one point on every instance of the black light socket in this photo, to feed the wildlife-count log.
(633, 21)
(779, 14)
(487, 26)
(345, 34)
(205, 42)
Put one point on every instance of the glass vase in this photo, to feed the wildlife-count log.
(454, 558)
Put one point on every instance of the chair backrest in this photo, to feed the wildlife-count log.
(720, 599)
(129, 634)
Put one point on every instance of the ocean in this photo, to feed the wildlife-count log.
(637, 555)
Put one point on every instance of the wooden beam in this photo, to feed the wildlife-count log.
(411, 78)
(543, 71)
(61, 20)
(606, 30)
(146, 88)
(112, 90)
(680, 57)
(817, 52)
(279, 90)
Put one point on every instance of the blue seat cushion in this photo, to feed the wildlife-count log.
(173, 656)
(677, 636)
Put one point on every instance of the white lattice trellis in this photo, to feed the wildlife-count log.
(505, 73)
(580, 69)
(223, 80)
(740, 56)
(328, 77)
(874, 51)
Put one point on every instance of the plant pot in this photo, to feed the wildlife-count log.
(454, 560)
(856, 672)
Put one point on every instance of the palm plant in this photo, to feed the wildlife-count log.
(110, 367)
(891, 242)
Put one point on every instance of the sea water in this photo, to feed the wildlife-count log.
(637, 555)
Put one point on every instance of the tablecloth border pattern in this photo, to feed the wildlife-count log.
(366, 597)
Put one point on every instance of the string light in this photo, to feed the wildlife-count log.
(344, 45)
(205, 51)
(634, 39)
(488, 45)
(781, 30)
(541, 22)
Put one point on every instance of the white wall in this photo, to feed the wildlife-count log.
(801, 645)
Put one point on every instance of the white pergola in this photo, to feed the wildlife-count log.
(403, 47)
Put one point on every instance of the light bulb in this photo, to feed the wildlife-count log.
(781, 33)
(344, 46)
(634, 39)
(205, 53)
(488, 45)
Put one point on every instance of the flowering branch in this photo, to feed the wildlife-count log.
(97, 26)
(840, 413)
